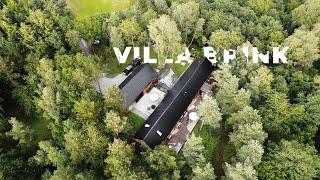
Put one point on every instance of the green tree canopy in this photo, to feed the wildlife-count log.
(210, 113)
(114, 99)
(166, 36)
(119, 160)
(290, 159)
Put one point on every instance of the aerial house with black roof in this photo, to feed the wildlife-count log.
(133, 84)
(137, 83)
(163, 119)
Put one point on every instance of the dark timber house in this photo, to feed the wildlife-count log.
(135, 85)
(161, 122)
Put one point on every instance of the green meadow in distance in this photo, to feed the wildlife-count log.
(83, 8)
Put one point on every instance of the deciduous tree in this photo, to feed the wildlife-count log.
(290, 159)
(230, 98)
(161, 6)
(116, 38)
(114, 99)
(115, 124)
(304, 49)
(190, 26)
(247, 115)
(282, 119)
(300, 17)
(246, 133)
(162, 161)
(205, 172)
(119, 160)
(222, 39)
(260, 83)
(85, 111)
(166, 36)
(131, 31)
(20, 132)
(252, 152)
(240, 171)
(49, 154)
(193, 151)
(210, 113)
(261, 6)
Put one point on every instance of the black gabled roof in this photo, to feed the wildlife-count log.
(134, 84)
(175, 103)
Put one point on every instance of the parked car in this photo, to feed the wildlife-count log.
(128, 70)
(136, 62)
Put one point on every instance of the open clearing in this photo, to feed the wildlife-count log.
(84, 8)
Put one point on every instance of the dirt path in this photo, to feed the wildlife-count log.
(220, 156)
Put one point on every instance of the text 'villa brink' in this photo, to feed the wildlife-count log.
(278, 55)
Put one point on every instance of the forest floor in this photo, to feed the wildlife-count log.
(217, 149)
(39, 125)
(83, 8)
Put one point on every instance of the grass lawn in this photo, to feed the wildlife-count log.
(84, 8)
(136, 120)
(178, 69)
(217, 147)
(209, 140)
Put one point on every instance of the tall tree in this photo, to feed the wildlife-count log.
(205, 172)
(224, 21)
(247, 115)
(264, 32)
(162, 161)
(131, 31)
(161, 6)
(316, 82)
(301, 18)
(20, 132)
(49, 154)
(90, 28)
(282, 119)
(114, 99)
(210, 113)
(229, 97)
(193, 151)
(292, 160)
(225, 40)
(260, 83)
(116, 37)
(119, 160)
(47, 102)
(191, 27)
(251, 152)
(86, 111)
(246, 133)
(261, 6)
(240, 171)
(304, 49)
(166, 36)
(115, 124)
(87, 145)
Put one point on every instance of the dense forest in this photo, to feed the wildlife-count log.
(262, 123)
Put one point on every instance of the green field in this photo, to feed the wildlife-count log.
(91, 7)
